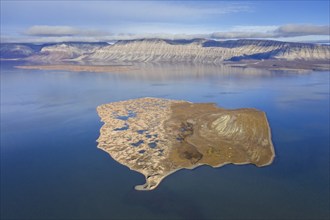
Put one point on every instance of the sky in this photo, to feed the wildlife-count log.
(54, 21)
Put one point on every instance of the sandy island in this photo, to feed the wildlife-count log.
(157, 137)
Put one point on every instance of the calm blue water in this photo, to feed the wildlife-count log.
(51, 168)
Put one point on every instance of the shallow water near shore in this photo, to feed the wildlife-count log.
(51, 168)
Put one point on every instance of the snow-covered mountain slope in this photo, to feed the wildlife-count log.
(14, 51)
(206, 51)
(64, 52)
(172, 51)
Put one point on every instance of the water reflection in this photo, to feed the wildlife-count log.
(163, 72)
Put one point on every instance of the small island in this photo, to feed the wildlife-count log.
(157, 137)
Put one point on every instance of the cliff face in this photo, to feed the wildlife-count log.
(206, 51)
(57, 53)
(172, 51)
(15, 51)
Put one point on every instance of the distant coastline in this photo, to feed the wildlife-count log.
(80, 68)
(101, 57)
(268, 65)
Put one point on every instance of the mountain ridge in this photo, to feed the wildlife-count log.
(167, 51)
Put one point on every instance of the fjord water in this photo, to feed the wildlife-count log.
(51, 168)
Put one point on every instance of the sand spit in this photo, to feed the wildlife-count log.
(157, 137)
(81, 68)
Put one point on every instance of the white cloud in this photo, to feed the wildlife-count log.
(253, 28)
(44, 33)
(291, 30)
(300, 30)
(245, 34)
(46, 30)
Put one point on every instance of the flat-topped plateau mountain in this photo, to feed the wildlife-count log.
(245, 52)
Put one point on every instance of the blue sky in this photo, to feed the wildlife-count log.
(46, 21)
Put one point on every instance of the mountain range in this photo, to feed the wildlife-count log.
(167, 51)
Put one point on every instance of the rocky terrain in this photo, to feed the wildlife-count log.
(206, 51)
(171, 51)
(48, 53)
